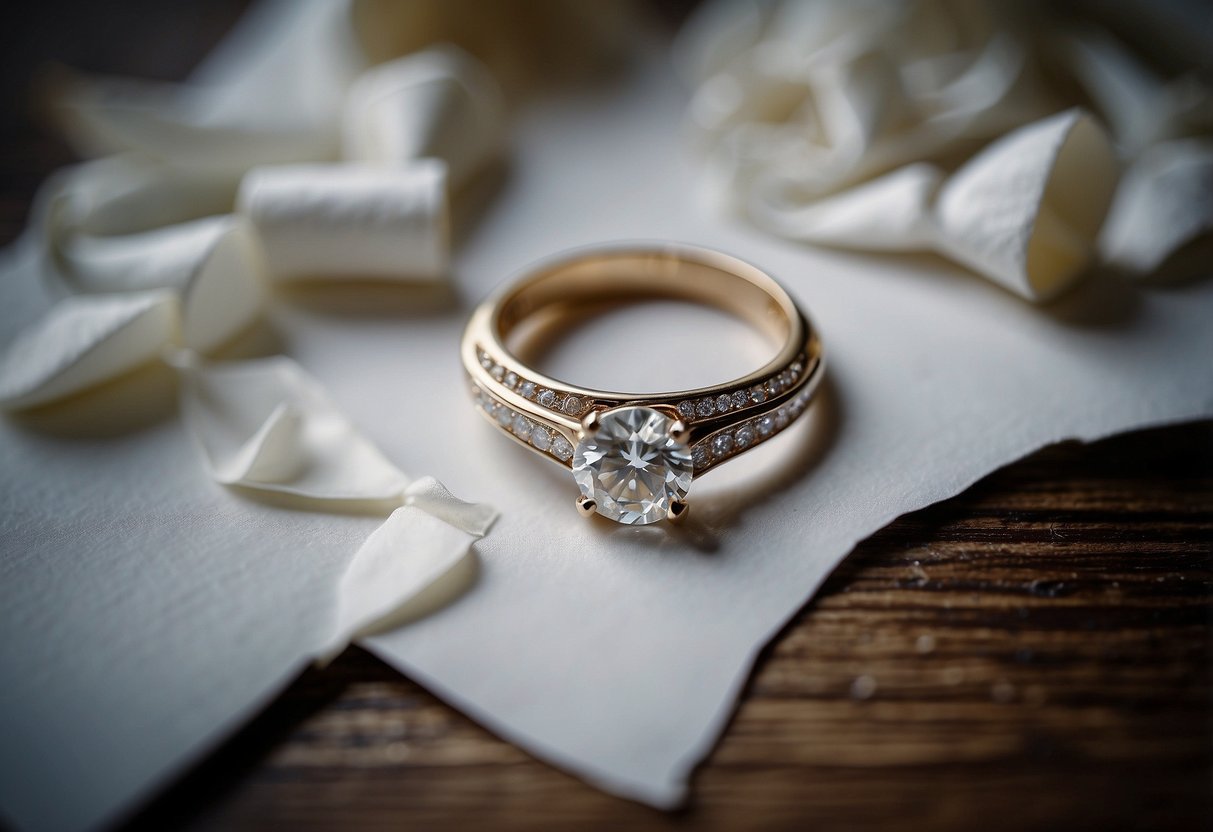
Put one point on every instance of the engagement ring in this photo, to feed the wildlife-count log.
(634, 455)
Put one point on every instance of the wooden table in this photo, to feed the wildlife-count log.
(1036, 653)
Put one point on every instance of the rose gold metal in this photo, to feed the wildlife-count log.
(677, 511)
(780, 389)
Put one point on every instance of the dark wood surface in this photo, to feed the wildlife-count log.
(1036, 653)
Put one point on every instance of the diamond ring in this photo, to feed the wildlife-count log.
(633, 456)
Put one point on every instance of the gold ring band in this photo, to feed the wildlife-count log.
(634, 454)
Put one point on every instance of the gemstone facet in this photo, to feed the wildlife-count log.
(631, 467)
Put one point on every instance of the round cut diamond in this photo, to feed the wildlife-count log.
(686, 410)
(631, 467)
(540, 438)
(561, 447)
(523, 426)
(546, 398)
(741, 398)
(704, 408)
(722, 445)
(724, 402)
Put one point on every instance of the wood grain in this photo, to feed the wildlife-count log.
(1034, 654)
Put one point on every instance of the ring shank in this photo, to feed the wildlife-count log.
(545, 413)
(733, 286)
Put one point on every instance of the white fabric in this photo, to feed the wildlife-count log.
(439, 102)
(807, 113)
(1026, 211)
(84, 341)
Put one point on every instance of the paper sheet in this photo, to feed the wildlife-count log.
(147, 611)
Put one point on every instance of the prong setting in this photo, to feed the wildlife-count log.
(680, 431)
(677, 511)
(586, 506)
(589, 424)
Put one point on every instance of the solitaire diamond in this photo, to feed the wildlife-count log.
(631, 467)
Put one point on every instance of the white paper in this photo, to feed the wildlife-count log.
(147, 611)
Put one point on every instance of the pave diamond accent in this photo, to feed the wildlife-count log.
(631, 467)
(717, 447)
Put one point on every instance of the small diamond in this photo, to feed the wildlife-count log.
(758, 395)
(795, 369)
(561, 448)
(485, 360)
(744, 437)
(700, 456)
(766, 426)
(786, 378)
(773, 387)
(527, 389)
(722, 445)
(523, 426)
(723, 402)
(741, 398)
(511, 380)
(498, 372)
(504, 416)
(686, 410)
(546, 398)
(704, 408)
(572, 405)
(782, 418)
(540, 438)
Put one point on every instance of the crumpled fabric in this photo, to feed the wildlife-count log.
(891, 126)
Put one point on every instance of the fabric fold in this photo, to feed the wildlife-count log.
(84, 341)
(439, 102)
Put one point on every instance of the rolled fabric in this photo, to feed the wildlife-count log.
(83, 341)
(439, 102)
(325, 221)
(1161, 224)
(1026, 211)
